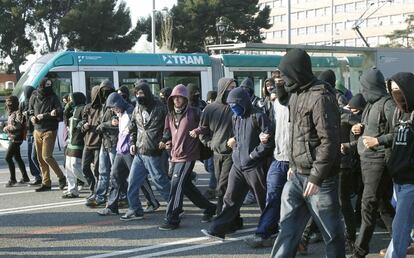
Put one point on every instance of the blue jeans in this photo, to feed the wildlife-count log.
(209, 167)
(106, 159)
(142, 166)
(296, 210)
(32, 157)
(403, 221)
(275, 181)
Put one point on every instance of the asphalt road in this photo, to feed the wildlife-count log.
(43, 224)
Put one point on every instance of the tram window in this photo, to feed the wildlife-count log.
(95, 78)
(171, 79)
(258, 80)
(129, 78)
(62, 83)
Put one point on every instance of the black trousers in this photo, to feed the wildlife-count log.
(13, 151)
(375, 198)
(181, 185)
(90, 156)
(345, 191)
(222, 166)
(239, 183)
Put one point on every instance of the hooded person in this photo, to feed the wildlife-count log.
(217, 121)
(400, 165)
(266, 103)
(211, 96)
(314, 151)
(15, 130)
(92, 140)
(28, 92)
(339, 86)
(146, 127)
(374, 151)
(329, 77)
(246, 172)
(74, 149)
(165, 94)
(124, 92)
(194, 97)
(123, 159)
(181, 119)
(248, 85)
(47, 112)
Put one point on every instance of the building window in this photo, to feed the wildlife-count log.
(350, 42)
(397, 19)
(320, 28)
(302, 31)
(339, 8)
(269, 35)
(293, 32)
(320, 12)
(372, 22)
(384, 21)
(361, 5)
(310, 13)
(339, 26)
(350, 7)
(302, 15)
(310, 30)
(349, 24)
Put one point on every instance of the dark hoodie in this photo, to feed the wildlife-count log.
(377, 113)
(314, 119)
(91, 115)
(24, 108)
(249, 152)
(147, 123)
(15, 120)
(124, 91)
(400, 164)
(75, 135)
(217, 118)
(115, 100)
(248, 85)
(109, 133)
(194, 97)
(166, 92)
(184, 148)
(329, 77)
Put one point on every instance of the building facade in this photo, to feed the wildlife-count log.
(331, 22)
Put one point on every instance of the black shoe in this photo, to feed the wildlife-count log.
(24, 181)
(167, 226)
(62, 183)
(209, 234)
(236, 226)
(11, 183)
(37, 182)
(70, 196)
(43, 188)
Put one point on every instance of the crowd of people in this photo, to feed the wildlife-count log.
(317, 161)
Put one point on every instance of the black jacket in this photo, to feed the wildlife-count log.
(24, 108)
(249, 151)
(376, 117)
(401, 165)
(314, 120)
(75, 134)
(217, 117)
(43, 103)
(91, 115)
(147, 124)
(108, 132)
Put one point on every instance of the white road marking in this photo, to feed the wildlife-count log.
(41, 207)
(147, 248)
(23, 192)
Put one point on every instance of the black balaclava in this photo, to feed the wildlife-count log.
(148, 99)
(329, 77)
(193, 93)
(166, 92)
(12, 104)
(45, 87)
(124, 92)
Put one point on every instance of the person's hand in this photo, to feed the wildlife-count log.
(311, 189)
(290, 174)
(33, 120)
(53, 113)
(231, 142)
(168, 145)
(161, 146)
(370, 142)
(344, 148)
(115, 122)
(264, 137)
(193, 133)
(357, 129)
(132, 149)
(39, 117)
(86, 126)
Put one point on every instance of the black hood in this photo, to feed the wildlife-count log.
(241, 97)
(105, 88)
(166, 92)
(264, 89)
(78, 99)
(296, 65)
(115, 100)
(149, 97)
(222, 86)
(328, 76)
(124, 92)
(249, 85)
(406, 83)
(373, 85)
(28, 90)
(357, 102)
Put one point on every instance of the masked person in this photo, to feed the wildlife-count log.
(146, 127)
(185, 150)
(15, 130)
(47, 112)
(314, 154)
(246, 172)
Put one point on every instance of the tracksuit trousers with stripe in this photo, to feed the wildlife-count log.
(119, 175)
(181, 185)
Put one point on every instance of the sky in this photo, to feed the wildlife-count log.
(141, 8)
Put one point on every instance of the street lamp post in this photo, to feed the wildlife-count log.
(221, 28)
(153, 26)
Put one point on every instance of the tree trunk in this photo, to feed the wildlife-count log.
(17, 70)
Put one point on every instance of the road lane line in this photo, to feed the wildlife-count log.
(151, 247)
(40, 206)
(23, 192)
